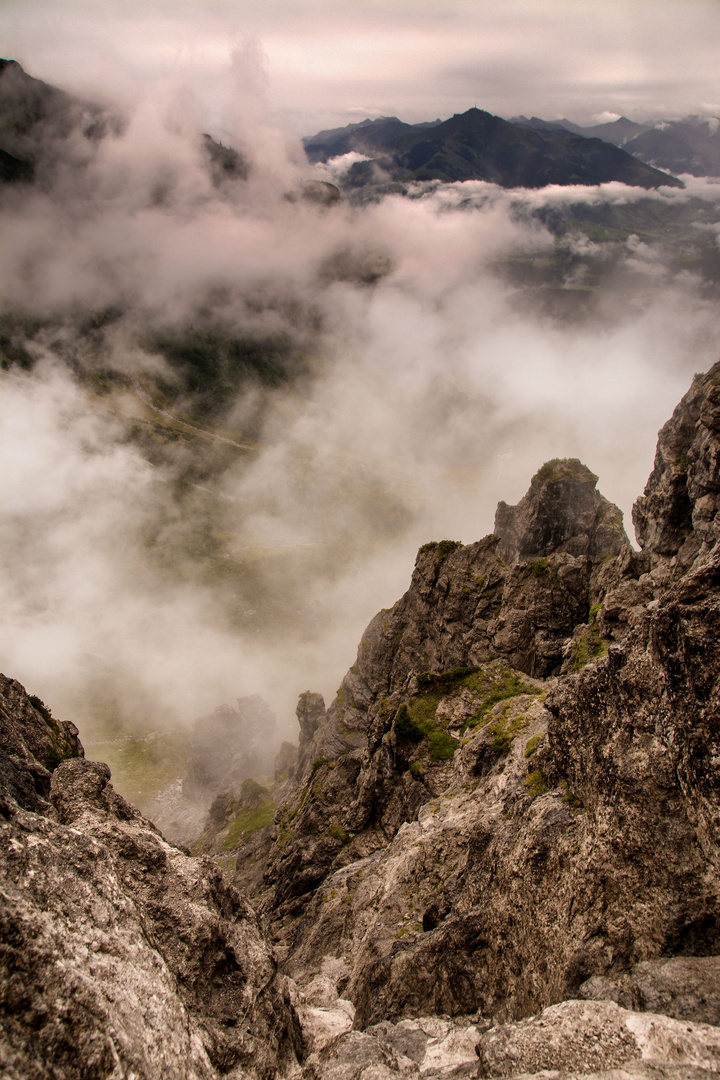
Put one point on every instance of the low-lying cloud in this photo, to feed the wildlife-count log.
(430, 393)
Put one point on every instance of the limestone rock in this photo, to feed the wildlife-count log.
(587, 1037)
(676, 518)
(488, 834)
(562, 511)
(685, 987)
(32, 744)
(120, 954)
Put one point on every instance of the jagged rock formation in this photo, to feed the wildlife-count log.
(511, 808)
(516, 789)
(121, 956)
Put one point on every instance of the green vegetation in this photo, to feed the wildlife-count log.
(564, 469)
(247, 822)
(414, 721)
(444, 680)
(504, 731)
(406, 730)
(416, 770)
(532, 744)
(41, 707)
(500, 685)
(536, 784)
(442, 548)
(539, 567)
(338, 833)
(490, 684)
(442, 745)
(143, 765)
(590, 646)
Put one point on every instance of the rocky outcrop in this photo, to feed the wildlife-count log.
(516, 788)
(562, 511)
(577, 1038)
(676, 518)
(497, 853)
(121, 956)
(684, 987)
(515, 600)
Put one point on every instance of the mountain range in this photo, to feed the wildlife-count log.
(690, 145)
(476, 145)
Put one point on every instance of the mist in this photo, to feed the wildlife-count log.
(145, 584)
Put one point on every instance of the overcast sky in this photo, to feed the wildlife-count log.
(328, 62)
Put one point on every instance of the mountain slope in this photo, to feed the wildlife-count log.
(691, 146)
(513, 791)
(478, 146)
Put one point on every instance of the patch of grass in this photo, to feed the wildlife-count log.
(504, 732)
(564, 469)
(416, 770)
(406, 730)
(444, 680)
(539, 567)
(415, 721)
(536, 784)
(142, 766)
(532, 744)
(41, 707)
(588, 647)
(442, 745)
(502, 685)
(247, 822)
(338, 833)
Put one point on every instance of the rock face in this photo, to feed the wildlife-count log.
(121, 956)
(497, 853)
(516, 788)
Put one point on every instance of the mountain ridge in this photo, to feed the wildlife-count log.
(475, 145)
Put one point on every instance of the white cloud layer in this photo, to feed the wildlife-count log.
(434, 395)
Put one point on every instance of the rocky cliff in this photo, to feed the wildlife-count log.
(516, 788)
(511, 808)
(121, 956)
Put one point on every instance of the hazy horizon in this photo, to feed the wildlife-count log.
(326, 63)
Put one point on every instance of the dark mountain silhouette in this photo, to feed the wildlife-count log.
(691, 145)
(37, 120)
(478, 146)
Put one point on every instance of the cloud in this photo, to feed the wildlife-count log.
(412, 58)
(174, 579)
